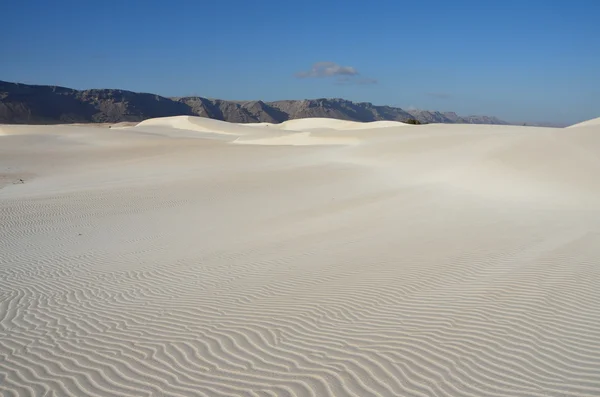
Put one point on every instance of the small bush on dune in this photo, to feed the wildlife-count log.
(412, 121)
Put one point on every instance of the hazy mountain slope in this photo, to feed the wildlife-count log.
(37, 104)
(426, 116)
(21, 103)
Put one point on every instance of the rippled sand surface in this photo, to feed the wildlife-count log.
(189, 257)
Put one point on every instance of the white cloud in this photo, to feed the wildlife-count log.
(439, 95)
(343, 75)
(328, 69)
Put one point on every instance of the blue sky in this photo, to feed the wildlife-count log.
(527, 60)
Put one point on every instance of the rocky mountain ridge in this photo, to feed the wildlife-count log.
(38, 104)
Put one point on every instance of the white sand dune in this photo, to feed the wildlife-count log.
(164, 260)
(302, 132)
(378, 124)
(199, 124)
(314, 123)
(7, 130)
(297, 139)
(123, 124)
(256, 124)
(589, 123)
(317, 123)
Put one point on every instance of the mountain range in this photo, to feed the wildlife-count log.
(39, 104)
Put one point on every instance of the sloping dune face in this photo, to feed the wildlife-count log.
(588, 123)
(191, 257)
(191, 123)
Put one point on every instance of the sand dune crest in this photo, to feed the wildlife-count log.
(589, 123)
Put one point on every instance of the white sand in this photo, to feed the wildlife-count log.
(332, 124)
(198, 124)
(165, 260)
(589, 123)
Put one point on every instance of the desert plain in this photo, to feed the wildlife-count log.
(192, 257)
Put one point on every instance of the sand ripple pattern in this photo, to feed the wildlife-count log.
(319, 278)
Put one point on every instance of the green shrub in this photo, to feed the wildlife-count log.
(412, 121)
